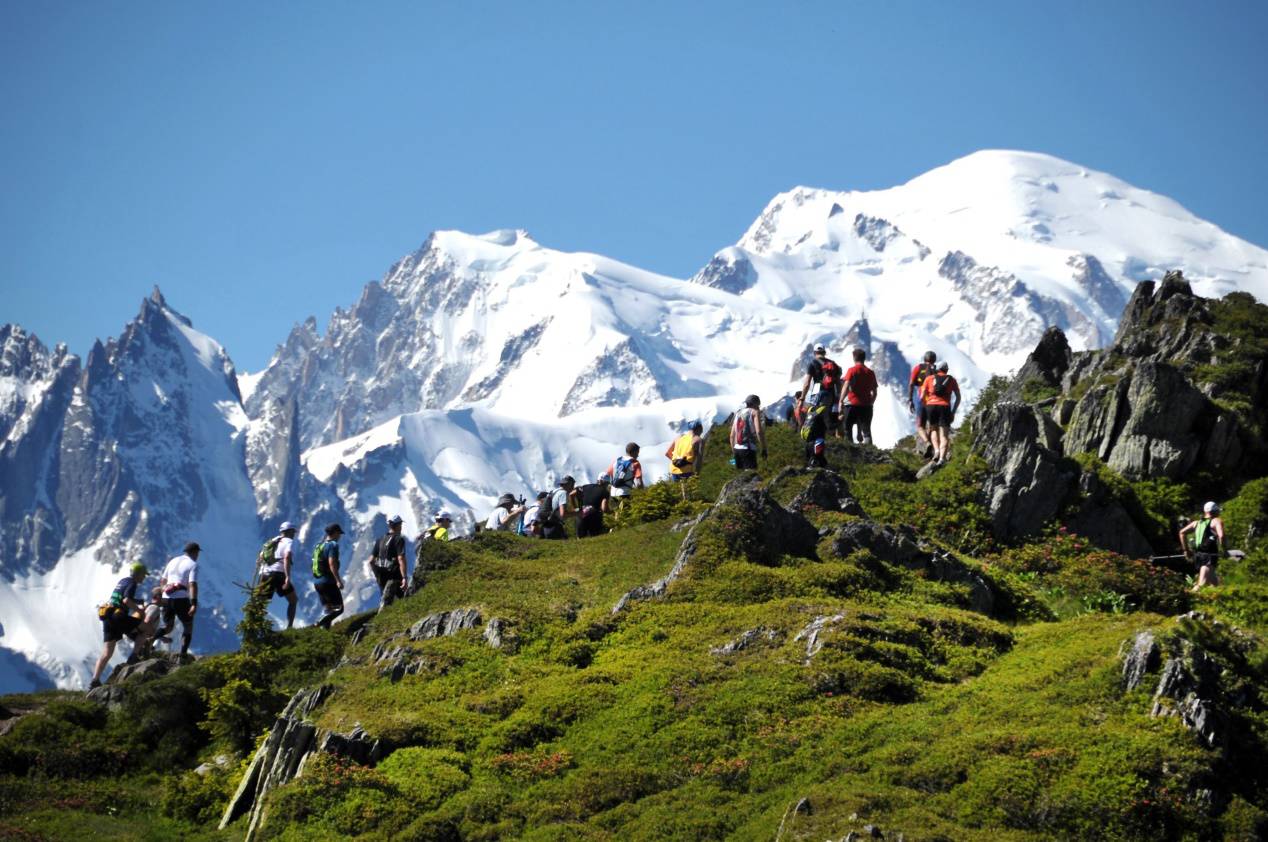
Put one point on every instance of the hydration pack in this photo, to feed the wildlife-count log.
(940, 387)
(318, 552)
(623, 473)
(925, 370)
(268, 552)
(808, 425)
(745, 429)
(831, 373)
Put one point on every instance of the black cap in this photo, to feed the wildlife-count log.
(334, 529)
(192, 547)
(567, 481)
(942, 366)
(930, 356)
(542, 495)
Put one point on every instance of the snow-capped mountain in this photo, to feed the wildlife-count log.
(484, 364)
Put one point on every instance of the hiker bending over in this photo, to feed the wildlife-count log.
(826, 375)
(592, 504)
(326, 579)
(858, 398)
(558, 509)
(748, 435)
(180, 594)
(1208, 544)
(275, 559)
(439, 531)
(915, 402)
(387, 561)
(531, 525)
(686, 454)
(625, 474)
(936, 392)
(122, 615)
(506, 515)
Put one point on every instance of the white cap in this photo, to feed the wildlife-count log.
(443, 516)
(1211, 506)
(286, 526)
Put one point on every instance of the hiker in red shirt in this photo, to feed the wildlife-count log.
(915, 402)
(936, 393)
(858, 398)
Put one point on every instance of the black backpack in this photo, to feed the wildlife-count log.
(940, 384)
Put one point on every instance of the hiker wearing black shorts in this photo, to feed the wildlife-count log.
(1208, 544)
(748, 435)
(121, 616)
(326, 579)
(387, 560)
(276, 562)
(826, 374)
(180, 594)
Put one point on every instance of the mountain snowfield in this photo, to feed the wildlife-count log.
(484, 364)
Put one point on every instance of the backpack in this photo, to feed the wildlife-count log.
(830, 373)
(745, 430)
(318, 551)
(684, 451)
(269, 551)
(383, 552)
(808, 425)
(940, 382)
(922, 373)
(623, 473)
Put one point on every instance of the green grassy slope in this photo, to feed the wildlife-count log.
(917, 715)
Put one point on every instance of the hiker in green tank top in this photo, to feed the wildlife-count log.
(1208, 544)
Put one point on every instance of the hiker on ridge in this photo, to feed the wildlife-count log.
(858, 398)
(118, 619)
(439, 531)
(561, 506)
(180, 592)
(1208, 544)
(506, 515)
(686, 454)
(825, 374)
(275, 559)
(936, 392)
(531, 525)
(625, 473)
(326, 579)
(387, 561)
(919, 373)
(748, 435)
(592, 505)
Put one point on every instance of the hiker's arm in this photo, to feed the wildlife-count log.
(956, 392)
(334, 572)
(286, 566)
(193, 597)
(761, 433)
(401, 560)
(1183, 531)
(699, 448)
(669, 452)
(805, 389)
(1218, 524)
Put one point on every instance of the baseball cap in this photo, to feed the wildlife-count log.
(286, 526)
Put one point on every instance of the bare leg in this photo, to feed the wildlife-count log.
(107, 652)
(290, 609)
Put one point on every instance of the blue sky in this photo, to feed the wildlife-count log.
(262, 161)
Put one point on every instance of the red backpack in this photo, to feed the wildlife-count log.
(831, 372)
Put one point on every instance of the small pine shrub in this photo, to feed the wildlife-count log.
(427, 775)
